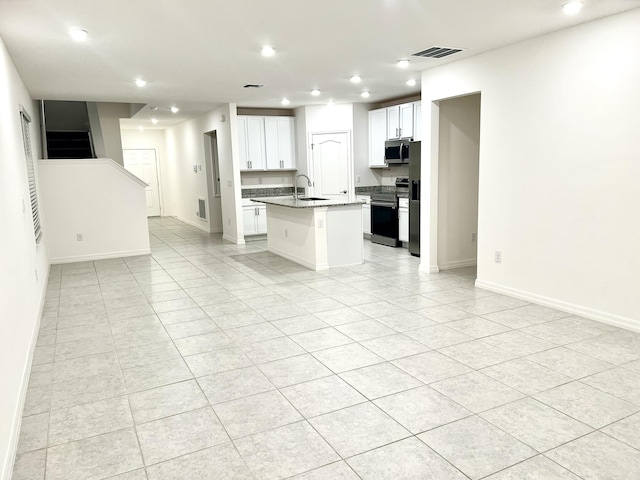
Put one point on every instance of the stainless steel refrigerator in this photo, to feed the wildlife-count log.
(414, 198)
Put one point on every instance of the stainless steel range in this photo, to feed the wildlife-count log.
(384, 214)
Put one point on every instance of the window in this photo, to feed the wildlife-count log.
(31, 175)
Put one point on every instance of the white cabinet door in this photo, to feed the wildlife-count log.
(242, 142)
(377, 137)
(417, 121)
(255, 143)
(406, 120)
(261, 219)
(403, 224)
(279, 142)
(393, 122)
(249, 220)
(272, 146)
(286, 142)
(366, 219)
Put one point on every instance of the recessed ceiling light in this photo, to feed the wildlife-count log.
(315, 92)
(365, 94)
(411, 82)
(356, 79)
(141, 128)
(78, 34)
(404, 63)
(175, 109)
(285, 101)
(140, 82)
(268, 51)
(571, 8)
(154, 121)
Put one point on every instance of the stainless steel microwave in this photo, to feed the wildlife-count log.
(396, 152)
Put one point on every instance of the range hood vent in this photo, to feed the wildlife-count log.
(437, 52)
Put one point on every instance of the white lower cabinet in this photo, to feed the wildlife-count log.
(254, 219)
(403, 220)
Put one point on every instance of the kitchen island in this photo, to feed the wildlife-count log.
(318, 234)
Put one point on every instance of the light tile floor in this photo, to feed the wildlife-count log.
(208, 360)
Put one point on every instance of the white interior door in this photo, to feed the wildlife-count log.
(142, 163)
(330, 154)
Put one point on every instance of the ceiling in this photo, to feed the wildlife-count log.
(197, 54)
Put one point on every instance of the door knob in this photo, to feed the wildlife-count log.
(343, 191)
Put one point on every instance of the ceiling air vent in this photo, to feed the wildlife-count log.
(437, 52)
(253, 85)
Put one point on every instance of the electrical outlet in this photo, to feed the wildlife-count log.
(473, 237)
(357, 178)
(79, 237)
(286, 233)
(228, 183)
(320, 223)
(498, 257)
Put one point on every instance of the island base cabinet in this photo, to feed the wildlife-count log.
(318, 238)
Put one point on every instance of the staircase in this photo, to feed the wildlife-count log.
(69, 144)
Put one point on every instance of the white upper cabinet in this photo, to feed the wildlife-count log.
(393, 122)
(266, 143)
(406, 120)
(377, 137)
(280, 143)
(417, 121)
(400, 121)
(255, 144)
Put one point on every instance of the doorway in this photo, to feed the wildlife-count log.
(144, 165)
(458, 181)
(331, 164)
(212, 165)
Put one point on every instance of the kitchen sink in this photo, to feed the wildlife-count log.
(308, 199)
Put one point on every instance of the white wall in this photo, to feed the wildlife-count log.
(363, 175)
(459, 150)
(21, 293)
(559, 167)
(152, 139)
(110, 115)
(185, 148)
(98, 199)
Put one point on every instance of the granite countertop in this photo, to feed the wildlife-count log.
(293, 203)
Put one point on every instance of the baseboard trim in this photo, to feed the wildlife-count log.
(298, 260)
(101, 256)
(469, 262)
(237, 241)
(14, 437)
(591, 313)
(204, 228)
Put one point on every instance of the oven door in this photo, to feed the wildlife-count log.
(384, 222)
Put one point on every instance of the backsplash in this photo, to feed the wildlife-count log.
(269, 192)
(376, 189)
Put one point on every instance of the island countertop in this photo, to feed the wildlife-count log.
(293, 203)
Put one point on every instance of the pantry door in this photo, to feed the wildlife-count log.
(142, 163)
(331, 164)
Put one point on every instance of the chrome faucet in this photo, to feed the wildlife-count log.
(295, 184)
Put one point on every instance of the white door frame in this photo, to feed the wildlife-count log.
(350, 168)
(158, 175)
